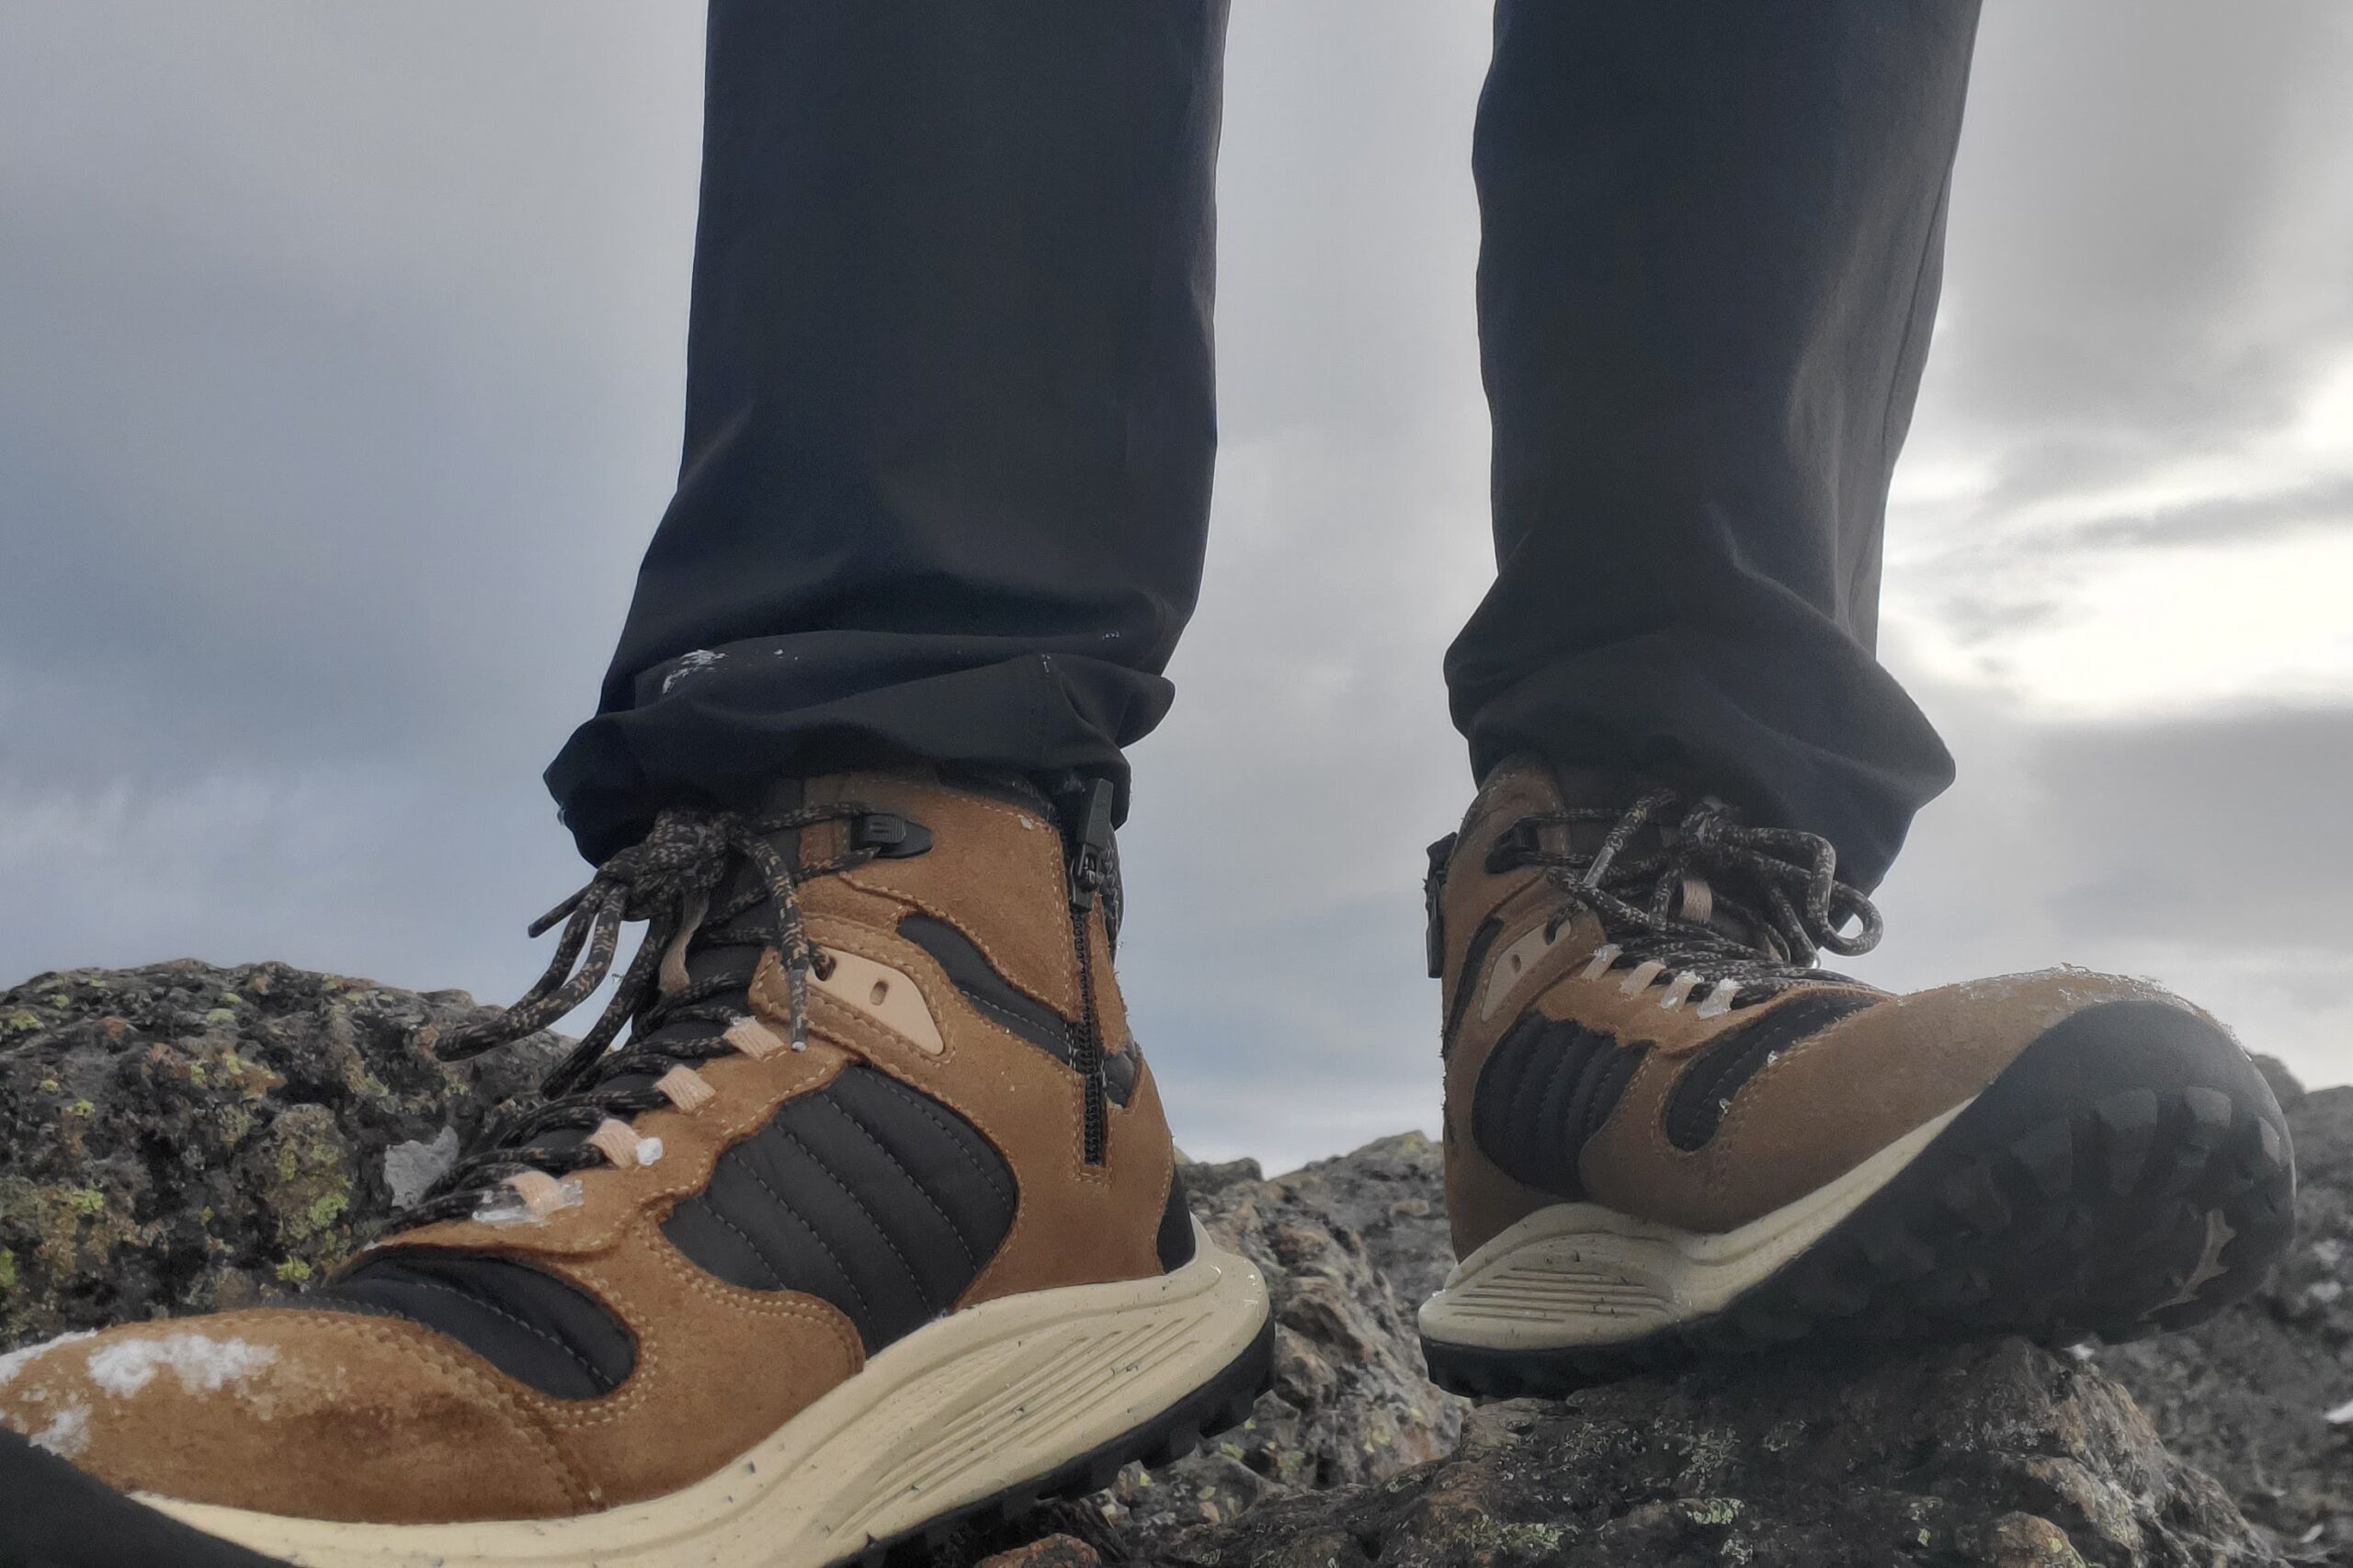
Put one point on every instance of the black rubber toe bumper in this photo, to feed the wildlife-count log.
(2129, 1174)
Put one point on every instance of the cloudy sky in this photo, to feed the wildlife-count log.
(340, 366)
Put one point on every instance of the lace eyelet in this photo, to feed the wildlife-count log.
(686, 1089)
(529, 1198)
(1640, 979)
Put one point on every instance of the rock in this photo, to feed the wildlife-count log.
(180, 1137)
(1202, 1179)
(1392, 1195)
(411, 1168)
(1996, 1454)
(177, 1137)
(1351, 1402)
(1054, 1551)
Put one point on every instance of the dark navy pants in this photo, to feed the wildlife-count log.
(950, 417)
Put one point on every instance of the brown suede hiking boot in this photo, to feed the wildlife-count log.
(1669, 1134)
(871, 1227)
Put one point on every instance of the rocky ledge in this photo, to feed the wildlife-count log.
(180, 1137)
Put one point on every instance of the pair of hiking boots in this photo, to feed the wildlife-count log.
(873, 1224)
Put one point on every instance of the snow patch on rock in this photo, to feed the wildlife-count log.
(411, 1168)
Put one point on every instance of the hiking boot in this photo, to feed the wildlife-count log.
(1669, 1133)
(870, 1228)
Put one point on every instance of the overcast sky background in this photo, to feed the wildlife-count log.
(340, 368)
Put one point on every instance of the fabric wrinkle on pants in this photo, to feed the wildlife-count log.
(950, 416)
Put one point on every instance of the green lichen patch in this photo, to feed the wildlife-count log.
(174, 1132)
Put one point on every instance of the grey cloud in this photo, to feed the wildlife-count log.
(2222, 520)
(2129, 174)
(2151, 213)
(1983, 618)
(339, 372)
(2228, 823)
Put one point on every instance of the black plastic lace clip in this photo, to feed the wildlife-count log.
(890, 836)
(1093, 845)
(1515, 847)
(1433, 904)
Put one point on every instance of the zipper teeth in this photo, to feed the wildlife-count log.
(1088, 852)
(1086, 1048)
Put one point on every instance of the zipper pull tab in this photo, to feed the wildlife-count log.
(1092, 846)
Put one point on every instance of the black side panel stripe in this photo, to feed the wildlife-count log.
(1545, 1091)
(1474, 956)
(1002, 1002)
(1696, 1109)
(955, 1231)
(867, 1194)
(830, 1163)
(697, 1229)
(536, 1328)
(1174, 1240)
(982, 986)
(1609, 1085)
(974, 1153)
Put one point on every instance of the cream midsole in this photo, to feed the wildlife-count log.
(1578, 1274)
(959, 1410)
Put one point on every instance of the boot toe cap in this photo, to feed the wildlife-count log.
(2058, 1042)
(314, 1415)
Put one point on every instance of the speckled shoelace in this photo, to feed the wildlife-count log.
(1714, 898)
(668, 880)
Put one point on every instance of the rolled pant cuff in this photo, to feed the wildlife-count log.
(1648, 706)
(716, 726)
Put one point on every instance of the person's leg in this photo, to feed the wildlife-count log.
(1713, 230)
(949, 420)
(1712, 237)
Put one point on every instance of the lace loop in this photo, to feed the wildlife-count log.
(1710, 894)
(671, 877)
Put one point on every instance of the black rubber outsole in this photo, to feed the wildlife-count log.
(2129, 1175)
(53, 1516)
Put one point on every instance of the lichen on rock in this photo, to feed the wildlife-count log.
(181, 1137)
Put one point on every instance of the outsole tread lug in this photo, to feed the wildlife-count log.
(1970, 1195)
(2047, 1157)
(1826, 1293)
(2128, 1123)
(1897, 1254)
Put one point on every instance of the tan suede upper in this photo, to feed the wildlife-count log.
(1809, 1115)
(332, 1414)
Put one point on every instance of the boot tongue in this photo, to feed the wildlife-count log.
(1700, 903)
(1605, 790)
(704, 959)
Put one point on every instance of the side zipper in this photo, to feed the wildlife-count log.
(1089, 850)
